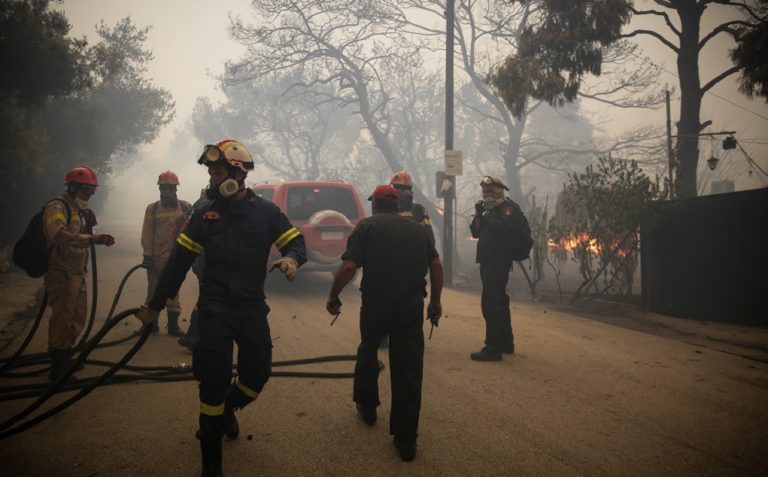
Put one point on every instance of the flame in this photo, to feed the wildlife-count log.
(584, 241)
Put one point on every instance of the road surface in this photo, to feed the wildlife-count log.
(586, 394)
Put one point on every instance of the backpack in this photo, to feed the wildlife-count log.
(31, 251)
(522, 242)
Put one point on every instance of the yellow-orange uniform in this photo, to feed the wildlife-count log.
(158, 234)
(65, 279)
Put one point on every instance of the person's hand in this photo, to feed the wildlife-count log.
(88, 217)
(288, 266)
(147, 315)
(479, 207)
(333, 305)
(103, 239)
(148, 262)
(434, 312)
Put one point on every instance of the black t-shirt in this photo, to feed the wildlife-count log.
(394, 252)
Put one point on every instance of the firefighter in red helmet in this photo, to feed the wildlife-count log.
(408, 208)
(162, 222)
(68, 227)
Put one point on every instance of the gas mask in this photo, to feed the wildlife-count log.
(169, 202)
(492, 197)
(228, 188)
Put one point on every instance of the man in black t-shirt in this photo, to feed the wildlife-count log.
(395, 253)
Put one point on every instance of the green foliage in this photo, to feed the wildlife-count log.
(599, 216)
(38, 59)
(751, 55)
(558, 50)
(68, 103)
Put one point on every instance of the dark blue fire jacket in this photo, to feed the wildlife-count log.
(235, 238)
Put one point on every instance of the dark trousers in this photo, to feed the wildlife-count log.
(495, 304)
(403, 322)
(219, 327)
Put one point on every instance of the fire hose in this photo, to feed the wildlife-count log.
(174, 373)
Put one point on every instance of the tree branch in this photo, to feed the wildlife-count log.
(724, 27)
(653, 34)
(718, 78)
(661, 14)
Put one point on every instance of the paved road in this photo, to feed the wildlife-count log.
(581, 397)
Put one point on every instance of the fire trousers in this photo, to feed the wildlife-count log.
(172, 305)
(494, 302)
(219, 327)
(68, 299)
(403, 322)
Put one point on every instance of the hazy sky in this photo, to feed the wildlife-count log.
(190, 44)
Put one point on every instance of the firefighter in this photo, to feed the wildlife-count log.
(162, 220)
(234, 232)
(403, 183)
(492, 225)
(408, 208)
(67, 225)
(395, 254)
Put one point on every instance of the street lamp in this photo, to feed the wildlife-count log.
(712, 163)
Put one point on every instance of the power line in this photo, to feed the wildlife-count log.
(706, 92)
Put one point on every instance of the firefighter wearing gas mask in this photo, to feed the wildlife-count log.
(235, 232)
(68, 228)
(162, 222)
(492, 225)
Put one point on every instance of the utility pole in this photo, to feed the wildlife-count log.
(451, 193)
(670, 154)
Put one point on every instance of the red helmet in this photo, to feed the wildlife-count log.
(81, 175)
(168, 178)
(402, 178)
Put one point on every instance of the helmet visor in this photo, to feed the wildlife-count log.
(235, 156)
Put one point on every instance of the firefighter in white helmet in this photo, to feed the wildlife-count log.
(235, 231)
(162, 222)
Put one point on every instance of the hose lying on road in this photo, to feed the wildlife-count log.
(44, 391)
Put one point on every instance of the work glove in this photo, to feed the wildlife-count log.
(434, 312)
(88, 217)
(103, 239)
(148, 262)
(147, 315)
(479, 207)
(288, 266)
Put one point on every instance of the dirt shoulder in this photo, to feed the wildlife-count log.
(18, 296)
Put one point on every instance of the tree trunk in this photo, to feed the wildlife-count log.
(689, 126)
(512, 171)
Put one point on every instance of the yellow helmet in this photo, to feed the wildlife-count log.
(233, 152)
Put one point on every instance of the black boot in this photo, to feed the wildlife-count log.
(173, 325)
(486, 354)
(231, 427)
(60, 360)
(211, 451)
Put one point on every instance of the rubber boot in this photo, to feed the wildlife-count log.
(60, 359)
(231, 427)
(211, 452)
(173, 325)
(155, 328)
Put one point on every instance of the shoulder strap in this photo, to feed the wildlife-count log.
(66, 207)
